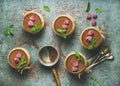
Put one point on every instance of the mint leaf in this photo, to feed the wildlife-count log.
(22, 59)
(22, 62)
(92, 44)
(94, 79)
(64, 35)
(79, 57)
(9, 30)
(98, 10)
(61, 30)
(46, 8)
(87, 7)
(33, 29)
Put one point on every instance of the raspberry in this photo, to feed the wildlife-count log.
(93, 22)
(16, 60)
(89, 38)
(74, 69)
(32, 18)
(75, 64)
(94, 16)
(66, 21)
(90, 32)
(18, 55)
(30, 23)
(64, 26)
(88, 16)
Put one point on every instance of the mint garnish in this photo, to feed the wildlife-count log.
(62, 32)
(46, 8)
(9, 30)
(87, 7)
(92, 44)
(79, 57)
(37, 27)
(22, 62)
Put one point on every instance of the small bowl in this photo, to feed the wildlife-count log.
(79, 70)
(68, 17)
(48, 56)
(83, 41)
(26, 19)
(11, 56)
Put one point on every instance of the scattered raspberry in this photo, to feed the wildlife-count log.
(94, 16)
(90, 32)
(66, 22)
(88, 16)
(64, 26)
(89, 38)
(30, 23)
(32, 18)
(93, 22)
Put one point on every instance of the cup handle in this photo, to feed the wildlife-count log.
(56, 77)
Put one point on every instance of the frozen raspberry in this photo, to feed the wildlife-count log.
(93, 22)
(90, 32)
(64, 26)
(94, 16)
(30, 23)
(16, 60)
(32, 18)
(66, 21)
(89, 38)
(74, 69)
(75, 64)
(88, 16)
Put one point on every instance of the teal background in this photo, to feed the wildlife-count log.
(108, 72)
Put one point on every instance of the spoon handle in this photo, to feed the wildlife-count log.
(56, 77)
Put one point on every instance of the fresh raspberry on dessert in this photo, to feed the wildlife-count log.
(75, 64)
(64, 26)
(89, 38)
(30, 23)
(90, 32)
(32, 18)
(16, 60)
(74, 69)
(66, 21)
(18, 55)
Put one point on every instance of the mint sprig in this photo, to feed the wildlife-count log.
(79, 57)
(37, 27)
(94, 79)
(87, 7)
(46, 8)
(9, 30)
(92, 44)
(22, 63)
(62, 32)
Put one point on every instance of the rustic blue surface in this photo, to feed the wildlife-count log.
(108, 73)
